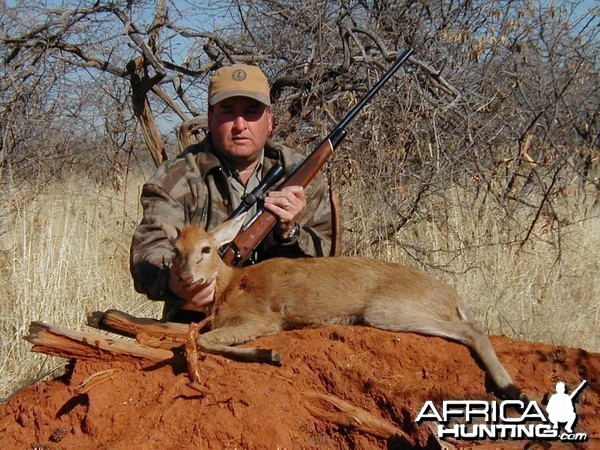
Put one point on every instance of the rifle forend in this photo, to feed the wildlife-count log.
(252, 234)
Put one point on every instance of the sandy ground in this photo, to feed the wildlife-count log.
(370, 374)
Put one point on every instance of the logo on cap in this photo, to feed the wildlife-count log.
(239, 75)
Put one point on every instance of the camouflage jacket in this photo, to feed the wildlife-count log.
(196, 180)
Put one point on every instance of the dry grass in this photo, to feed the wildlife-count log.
(546, 290)
(64, 252)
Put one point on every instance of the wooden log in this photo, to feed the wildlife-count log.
(157, 342)
(148, 332)
(348, 415)
(125, 324)
(59, 341)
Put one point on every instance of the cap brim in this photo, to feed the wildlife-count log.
(220, 96)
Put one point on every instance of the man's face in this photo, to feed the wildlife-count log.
(240, 127)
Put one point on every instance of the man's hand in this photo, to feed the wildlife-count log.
(196, 297)
(286, 204)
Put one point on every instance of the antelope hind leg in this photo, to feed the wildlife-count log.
(462, 331)
(220, 342)
(480, 343)
(467, 333)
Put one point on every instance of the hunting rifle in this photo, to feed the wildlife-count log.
(252, 233)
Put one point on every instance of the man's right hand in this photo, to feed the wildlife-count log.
(196, 297)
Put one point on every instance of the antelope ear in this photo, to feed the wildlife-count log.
(172, 232)
(227, 231)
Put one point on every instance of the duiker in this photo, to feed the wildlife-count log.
(282, 294)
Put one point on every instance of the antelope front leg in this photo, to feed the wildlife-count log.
(220, 342)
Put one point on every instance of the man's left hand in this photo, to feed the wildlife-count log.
(286, 204)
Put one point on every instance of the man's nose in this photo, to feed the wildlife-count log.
(240, 123)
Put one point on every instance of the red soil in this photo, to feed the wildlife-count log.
(247, 405)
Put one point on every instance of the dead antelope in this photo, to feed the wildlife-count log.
(282, 294)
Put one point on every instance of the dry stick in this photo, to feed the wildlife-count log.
(59, 341)
(191, 355)
(94, 380)
(539, 210)
(190, 128)
(125, 324)
(161, 342)
(157, 334)
(358, 418)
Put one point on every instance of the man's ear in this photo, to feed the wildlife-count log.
(226, 232)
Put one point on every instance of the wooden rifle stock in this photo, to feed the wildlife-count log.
(251, 235)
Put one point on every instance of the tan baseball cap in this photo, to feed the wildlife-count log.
(239, 80)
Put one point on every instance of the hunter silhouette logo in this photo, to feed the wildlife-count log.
(508, 419)
(560, 407)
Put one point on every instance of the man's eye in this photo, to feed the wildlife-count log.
(225, 106)
(253, 112)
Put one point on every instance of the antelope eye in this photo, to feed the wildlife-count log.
(205, 250)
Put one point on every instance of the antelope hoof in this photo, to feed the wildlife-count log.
(269, 357)
(276, 358)
(512, 392)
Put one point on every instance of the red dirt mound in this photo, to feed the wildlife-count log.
(331, 381)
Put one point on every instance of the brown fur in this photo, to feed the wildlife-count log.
(280, 294)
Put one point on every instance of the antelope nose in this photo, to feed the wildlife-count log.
(186, 278)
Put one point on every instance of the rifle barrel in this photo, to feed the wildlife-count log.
(575, 393)
(360, 105)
